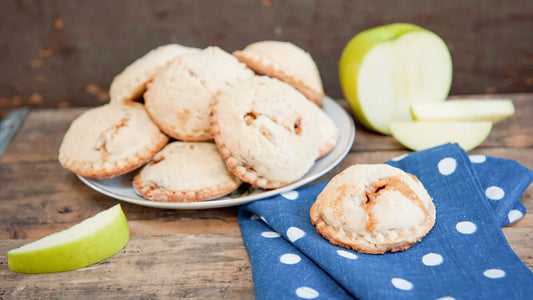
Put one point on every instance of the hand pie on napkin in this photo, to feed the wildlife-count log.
(373, 208)
(464, 256)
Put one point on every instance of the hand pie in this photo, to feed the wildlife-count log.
(373, 209)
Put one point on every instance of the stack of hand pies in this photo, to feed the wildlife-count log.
(268, 129)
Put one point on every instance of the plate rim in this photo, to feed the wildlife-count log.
(233, 201)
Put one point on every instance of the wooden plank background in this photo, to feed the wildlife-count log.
(175, 253)
(37, 182)
(58, 53)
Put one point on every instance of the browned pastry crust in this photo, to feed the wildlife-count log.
(110, 140)
(330, 233)
(88, 169)
(185, 172)
(152, 191)
(268, 70)
(359, 210)
(283, 140)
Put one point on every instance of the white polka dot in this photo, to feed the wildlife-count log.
(494, 273)
(400, 157)
(290, 259)
(446, 298)
(294, 233)
(254, 217)
(478, 158)
(346, 254)
(264, 220)
(401, 284)
(306, 292)
(514, 215)
(292, 195)
(447, 166)
(270, 234)
(494, 192)
(466, 227)
(432, 259)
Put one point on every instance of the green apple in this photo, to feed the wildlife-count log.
(83, 244)
(464, 110)
(421, 135)
(386, 69)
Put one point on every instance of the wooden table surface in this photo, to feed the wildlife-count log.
(175, 253)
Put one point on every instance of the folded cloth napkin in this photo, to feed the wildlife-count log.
(464, 256)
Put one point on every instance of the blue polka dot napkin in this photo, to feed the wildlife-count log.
(464, 256)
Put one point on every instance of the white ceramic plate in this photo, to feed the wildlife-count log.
(121, 188)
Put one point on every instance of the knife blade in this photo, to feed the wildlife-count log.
(10, 125)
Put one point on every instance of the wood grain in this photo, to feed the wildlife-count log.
(175, 266)
(515, 132)
(66, 53)
(175, 253)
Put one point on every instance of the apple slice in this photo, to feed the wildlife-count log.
(464, 110)
(421, 135)
(386, 69)
(83, 244)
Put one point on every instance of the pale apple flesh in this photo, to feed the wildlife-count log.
(83, 244)
(422, 135)
(494, 110)
(394, 75)
(385, 70)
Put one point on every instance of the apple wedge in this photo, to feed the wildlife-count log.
(421, 135)
(384, 70)
(464, 110)
(83, 244)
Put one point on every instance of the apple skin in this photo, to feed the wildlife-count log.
(354, 53)
(76, 254)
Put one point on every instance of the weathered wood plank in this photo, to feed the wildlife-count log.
(172, 267)
(43, 131)
(42, 198)
(520, 241)
(174, 253)
(182, 243)
(65, 54)
(198, 266)
(62, 200)
(40, 135)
